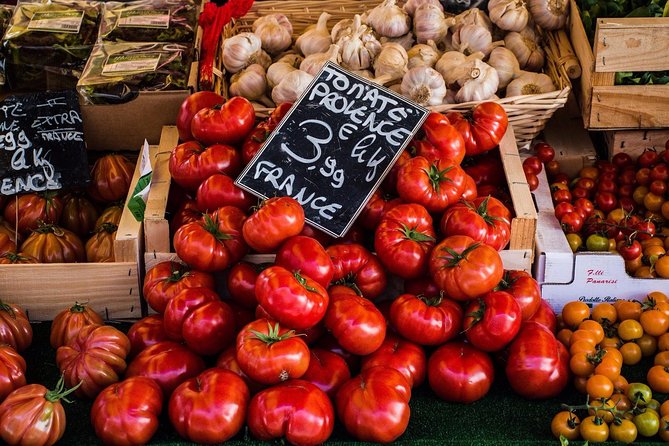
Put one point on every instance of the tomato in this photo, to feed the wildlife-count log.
(167, 363)
(664, 428)
(597, 242)
(189, 108)
(524, 289)
(254, 141)
(52, 244)
(426, 320)
(292, 299)
(538, 364)
(465, 269)
(276, 220)
(594, 429)
(79, 215)
(209, 408)
(145, 333)
(308, 257)
(199, 318)
(327, 371)
(487, 169)
(213, 243)
(166, 279)
(95, 357)
(532, 165)
(357, 268)
(11, 258)
(571, 222)
(485, 219)
(658, 379)
(227, 123)
(483, 128)
(26, 211)
(68, 322)
(565, 423)
(629, 249)
(575, 312)
(15, 328)
(111, 176)
(662, 266)
(354, 321)
(639, 393)
(100, 247)
(647, 423)
(111, 214)
(127, 413)
(446, 140)
(403, 240)
(545, 316)
(377, 205)
(433, 184)
(562, 195)
(404, 356)
(458, 372)
(12, 371)
(296, 410)
(562, 208)
(544, 152)
(373, 406)
(492, 321)
(191, 163)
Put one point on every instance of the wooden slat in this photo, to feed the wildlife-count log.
(632, 44)
(634, 142)
(583, 50)
(129, 234)
(630, 106)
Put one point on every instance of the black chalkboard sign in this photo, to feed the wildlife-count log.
(334, 147)
(41, 143)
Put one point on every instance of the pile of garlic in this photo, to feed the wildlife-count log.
(412, 47)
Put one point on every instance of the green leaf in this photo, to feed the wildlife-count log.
(564, 441)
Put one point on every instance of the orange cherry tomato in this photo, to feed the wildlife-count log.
(594, 327)
(663, 342)
(581, 365)
(631, 353)
(647, 344)
(582, 346)
(565, 424)
(630, 329)
(662, 267)
(583, 335)
(608, 343)
(608, 367)
(658, 379)
(599, 386)
(620, 384)
(604, 311)
(564, 335)
(662, 358)
(574, 313)
(628, 309)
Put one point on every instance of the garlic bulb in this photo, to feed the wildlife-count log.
(525, 46)
(473, 16)
(342, 28)
(262, 58)
(359, 49)
(397, 88)
(312, 64)
(316, 39)
(364, 73)
(291, 87)
(505, 63)
(411, 5)
(406, 40)
(549, 14)
(450, 97)
(470, 39)
(530, 83)
(275, 32)
(454, 65)
(250, 83)
(424, 85)
(278, 71)
(429, 23)
(509, 15)
(291, 58)
(423, 55)
(389, 20)
(240, 51)
(391, 63)
(479, 84)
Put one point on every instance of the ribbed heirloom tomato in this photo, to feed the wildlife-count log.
(327, 370)
(404, 356)
(276, 220)
(190, 106)
(219, 190)
(31, 209)
(111, 176)
(524, 289)
(306, 255)
(434, 184)
(482, 128)
(492, 321)
(53, 244)
(356, 267)
(191, 163)
(485, 219)
(15, 328)
(443, 141)
(227, 123)
(12, 371)
(68, 322)
(426, 320)
(167, 279)
(145, 333)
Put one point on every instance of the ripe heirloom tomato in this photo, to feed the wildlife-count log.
(79, 215)
(307, 256)
(254, 141)
(111, 214)
(434, 184)
(227, 360)
(426, 320)
(100, 247)
(446, 141)
(275, 221)
(403, 240)
(167, 279)
(482, 128)
(296, 410)
(111, 176)
(191, 163)
(374, 406)
(15, 328)
(12, 371)
(68, 322)
(95, 357)
(33, 208)
(524, 289)
(127, 413)
(52, 244)
(465, 269)
(458, 372)
(213, 243)
(492, 321)
(327, 371)
(241, 283)
(209, 408)
(485, 219)
(376, 206)
(11, 258)
(358, 269)
(226, 123)
(219, 190)
(404, 356)
(146, 332)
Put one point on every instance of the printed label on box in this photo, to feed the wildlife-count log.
(57, 21)
(124, 64)
(146, 18)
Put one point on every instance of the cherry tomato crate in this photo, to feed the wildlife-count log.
(621, 44)
(634, 142)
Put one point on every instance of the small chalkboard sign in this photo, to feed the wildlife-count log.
(42, 143)
(334, 147)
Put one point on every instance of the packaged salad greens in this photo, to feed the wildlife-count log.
(149, 21)
(6, 12)
(47, 44)
(117, 71)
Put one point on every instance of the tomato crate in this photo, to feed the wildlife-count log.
(621, 44)
(634, 142)
(591, 277)
(518, 256)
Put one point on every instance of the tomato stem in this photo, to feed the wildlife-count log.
(414, 235)
(59, 393)
(8, 309)
(272, 336)
(456, 257)
(211, 226)
(303, 281)
(349, 281)
(436, 176)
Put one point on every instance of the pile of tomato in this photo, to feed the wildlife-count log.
(603, 343)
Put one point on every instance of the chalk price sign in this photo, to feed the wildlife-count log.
(334, 147)
(41, 143)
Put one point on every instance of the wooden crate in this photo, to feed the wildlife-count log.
(634, 142)
(111, 289)
(574, 149)
(625, 44)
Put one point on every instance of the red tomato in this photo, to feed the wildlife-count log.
(532, 181)
(447, 141)
(487, 169)
(465, 269)
(422, 285)
(327, 371)
(215, 242)
(33, 209)
(622, 159)
(374, 406)
(329, 342)
(458, 372)
(377, 205)
(659, 172)
(127, 413)
(228, 123)
(15, 328)
(210, 408)
(358, 268)
(544, 151)
(219, 190)
(485, 219)
(270, 354)
(294, 300)
(629, 249)
(426, 320)
(571, 222)
(79, 214)
(254, 141)
(606, 201)
(538, 364)
(524, 289)
(111, 176)
(277, 219)
(191, 163)
(227, 360)
(435, 185)
(190, 106)
(403, 240)
(12, 371)
(307, 256)
(532, 165)
(492, 321)
(402, 355)
(648, 158)
(241, 283)
(95, 357)
(186, 213)
(482, 128)
(167, 279)
(146, 332)
(53, 244)
(68, 322)
(545, 316)
(354, 321)
(296, 410)
(167, 363)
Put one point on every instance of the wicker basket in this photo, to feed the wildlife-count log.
(528, 113)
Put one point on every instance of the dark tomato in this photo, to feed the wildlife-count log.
(545, 152)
